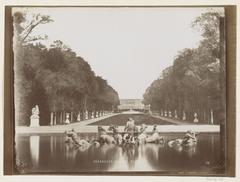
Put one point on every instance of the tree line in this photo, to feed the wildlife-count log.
(193, 85)
(54, 78)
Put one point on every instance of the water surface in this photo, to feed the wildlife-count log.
(50, 153)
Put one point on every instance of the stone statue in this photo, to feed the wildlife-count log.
(86, 115)
(165, 113)
(184, 116)
(34, 118)
(175, 114)
(170, 114)
(79, 117)
(195, 118)
(97, 114)
(67, 121)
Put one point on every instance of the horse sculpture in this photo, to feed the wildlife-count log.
(188, 140)
(103, 137)
(154, 138)
(130, 137)
(116, 135)
(143, 134)
(72, 137)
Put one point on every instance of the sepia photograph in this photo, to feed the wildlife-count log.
(119, 90)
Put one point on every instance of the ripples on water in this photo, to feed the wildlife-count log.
(47, 153)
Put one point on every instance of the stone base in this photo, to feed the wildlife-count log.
(34, 122)
(67, 121)
(195, 120)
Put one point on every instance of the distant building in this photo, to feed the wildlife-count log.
(131, 104)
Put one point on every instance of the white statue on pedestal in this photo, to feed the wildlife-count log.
(34, 118)
(175, 114)
(195, 118)
(184, 116)
(165, 113)
(86, 115)
(170, 114)
(97, 114)
(79, 117)
(67, 121)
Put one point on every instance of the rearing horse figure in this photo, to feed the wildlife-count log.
(187, 141)
(118, 137)
(103, 137)
(155, 137)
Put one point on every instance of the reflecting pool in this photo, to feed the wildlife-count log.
(50, 153)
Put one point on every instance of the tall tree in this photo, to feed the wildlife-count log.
(192, 84)
(55, 78)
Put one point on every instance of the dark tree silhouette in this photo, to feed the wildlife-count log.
(192, 84)
(54, 78)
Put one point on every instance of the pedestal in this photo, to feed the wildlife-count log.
(34, 121)
(79, 117)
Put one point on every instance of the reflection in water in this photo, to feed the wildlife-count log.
(130, 154)
(151, 152)
(34, 148)
(53, 144)
(52, 154)
(143, 163)
(70, 152)
(191, 151)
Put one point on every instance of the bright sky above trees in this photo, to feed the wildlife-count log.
(129, 47)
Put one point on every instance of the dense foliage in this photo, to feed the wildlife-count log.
(193, 84)
(55, 78)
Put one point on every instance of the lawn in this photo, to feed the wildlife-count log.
(139, 119)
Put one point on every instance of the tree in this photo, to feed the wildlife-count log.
(55, 78)
(192, 84)
(23, 53)
(25, 27)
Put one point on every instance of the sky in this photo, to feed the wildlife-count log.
(129, 47)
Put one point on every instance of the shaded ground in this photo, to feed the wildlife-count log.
(121, 120)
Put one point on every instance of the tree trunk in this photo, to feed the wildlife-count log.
(60, 118)
(71, 119)
(52, 116)
(55, 118)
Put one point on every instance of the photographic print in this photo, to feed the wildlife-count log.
(119, 90)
